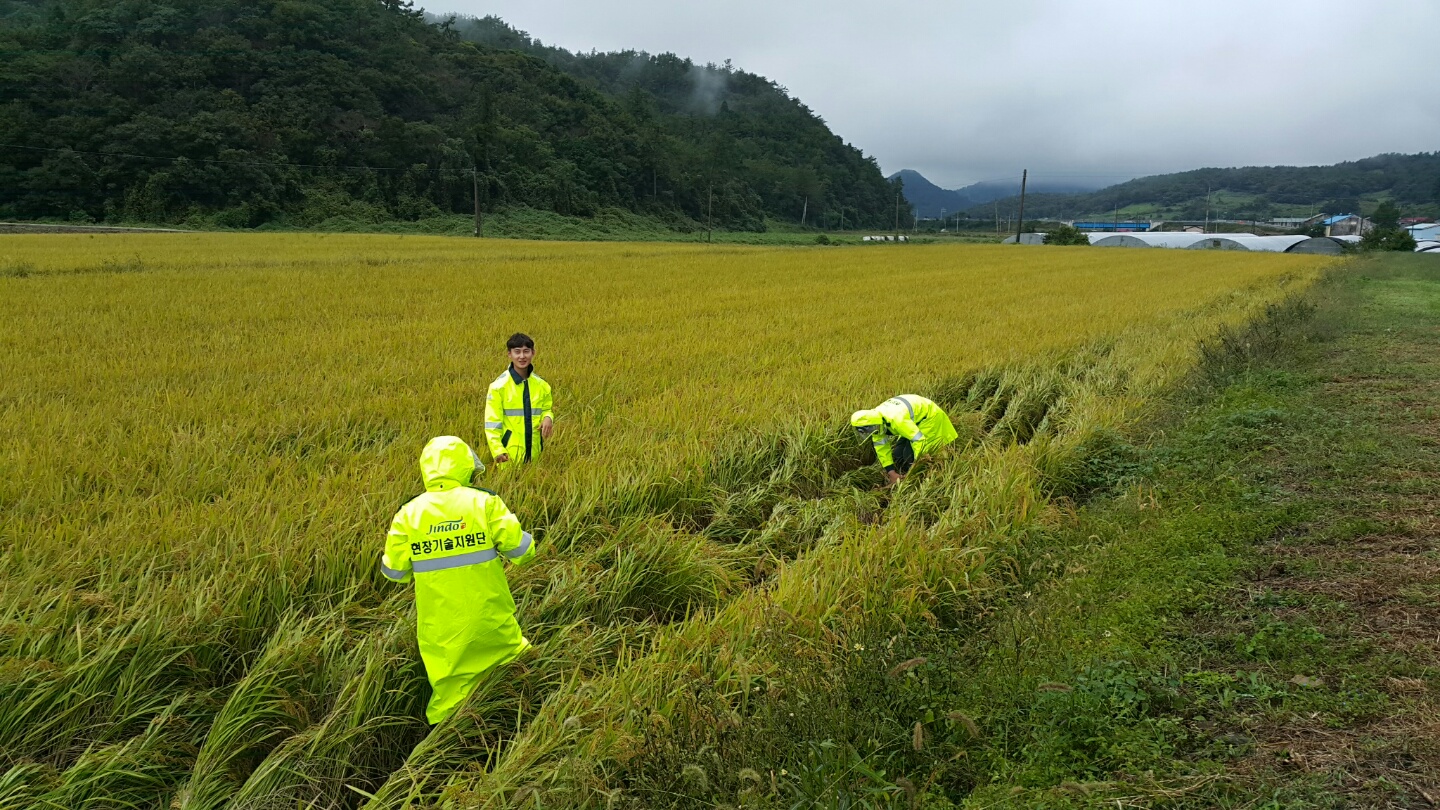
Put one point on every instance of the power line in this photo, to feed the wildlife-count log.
(1010, 181)
(205, 160)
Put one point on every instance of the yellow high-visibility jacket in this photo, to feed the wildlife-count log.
(907, 416)
(514, 408)
(454, 540)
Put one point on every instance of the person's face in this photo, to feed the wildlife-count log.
(522, 357)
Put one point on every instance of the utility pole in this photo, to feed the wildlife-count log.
(997, 218)
(1207, 209)
(709, 212)
(1020, 225)
(475, 192)
(805, 210)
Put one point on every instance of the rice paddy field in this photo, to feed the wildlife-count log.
(203, 439)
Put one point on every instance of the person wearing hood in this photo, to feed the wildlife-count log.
(903, 428)
(454, 541)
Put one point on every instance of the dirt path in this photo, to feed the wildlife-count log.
(1353, 587)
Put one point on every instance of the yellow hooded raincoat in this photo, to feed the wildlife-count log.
(455, 540)
(906, 418)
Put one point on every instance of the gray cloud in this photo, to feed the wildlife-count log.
(1102, 90)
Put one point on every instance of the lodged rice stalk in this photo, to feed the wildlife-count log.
(206, 435)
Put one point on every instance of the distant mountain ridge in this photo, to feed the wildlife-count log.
(929, 200)
(1248, 193)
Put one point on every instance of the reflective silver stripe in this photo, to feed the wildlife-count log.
(919, 437)
(458, 561)
(391, 573)
(519, 551)
(517, 411)
(882, 441)
(494, 425)
(908, 407)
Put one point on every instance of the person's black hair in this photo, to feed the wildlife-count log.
(519, 339)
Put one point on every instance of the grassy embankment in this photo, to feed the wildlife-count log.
(1242, 612)
(208, 433)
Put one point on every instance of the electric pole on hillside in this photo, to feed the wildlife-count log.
(804, 210)
(1020, 226)
(475, 192)
(897, 216)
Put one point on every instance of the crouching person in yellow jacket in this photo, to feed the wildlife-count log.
(455, 539)
(903, 429)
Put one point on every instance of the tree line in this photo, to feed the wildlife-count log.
(303, 111)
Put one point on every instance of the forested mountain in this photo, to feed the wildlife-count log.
(297, 111)
(929, 200)
(694, 116)
(1411, 181)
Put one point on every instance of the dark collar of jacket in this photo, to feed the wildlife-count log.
(515, 375)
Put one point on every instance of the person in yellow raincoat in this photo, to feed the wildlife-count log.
(454, 541)
(519, 407)
(904, 428)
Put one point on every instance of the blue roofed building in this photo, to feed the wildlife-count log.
(1346, 225)
(1127, 227)
(1425, 232)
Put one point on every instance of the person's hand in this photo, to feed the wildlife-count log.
(893, 476)
(546, 428)
(502, 458)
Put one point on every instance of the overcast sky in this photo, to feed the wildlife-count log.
(1086, 91)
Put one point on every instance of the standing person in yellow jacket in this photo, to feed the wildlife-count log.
(454, 540)
(518, 407)
(903, 429)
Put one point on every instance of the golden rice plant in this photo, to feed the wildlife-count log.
(205, 435)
